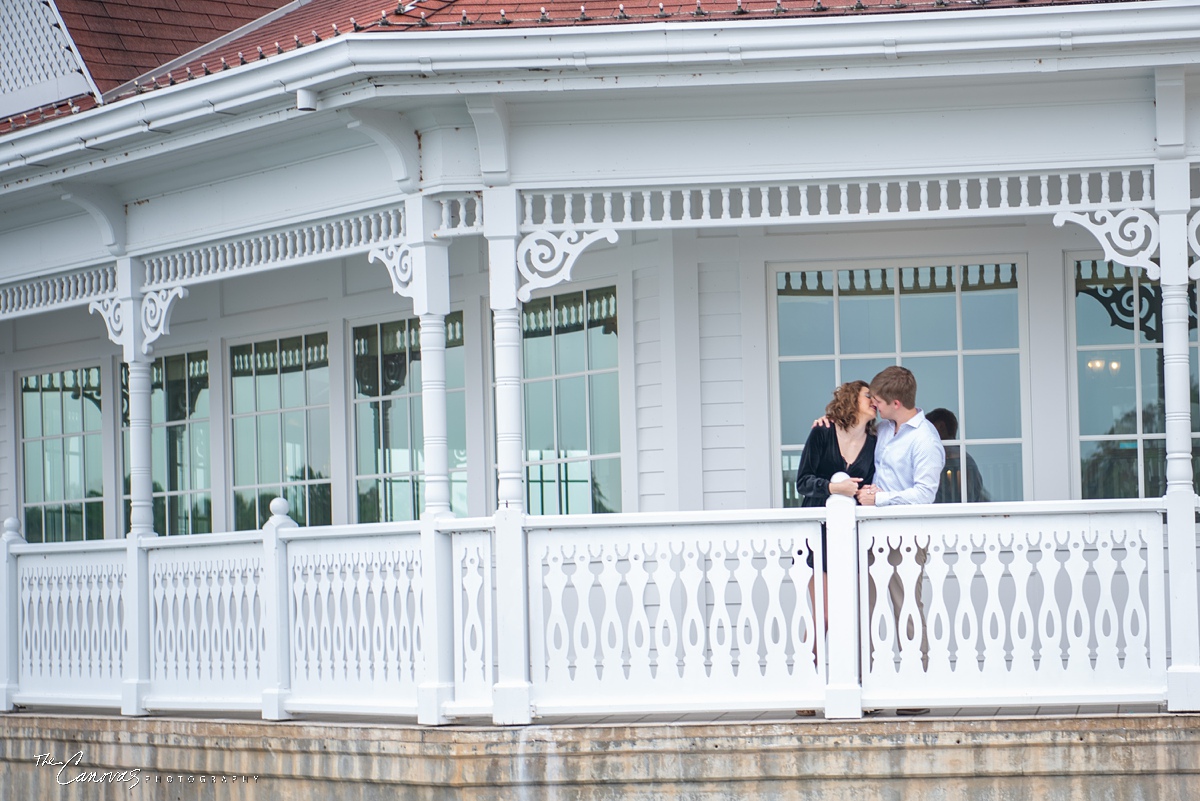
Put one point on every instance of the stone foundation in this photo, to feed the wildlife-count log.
(1119, 757)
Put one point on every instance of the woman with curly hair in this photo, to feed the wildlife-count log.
(846, 446)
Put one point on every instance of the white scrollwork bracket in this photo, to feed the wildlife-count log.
(544, 259)
(112, 310)
(1129, 237)
(156, 314)
(398, 260)
(1194, 243)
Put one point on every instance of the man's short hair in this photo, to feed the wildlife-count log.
(895, 383)
(944, 421)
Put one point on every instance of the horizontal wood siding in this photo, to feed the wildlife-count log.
(722, 410)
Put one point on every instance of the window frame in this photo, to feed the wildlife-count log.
(956, 259)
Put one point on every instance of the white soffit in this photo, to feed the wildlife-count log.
(40, 64)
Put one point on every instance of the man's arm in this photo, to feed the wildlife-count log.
(929, 457)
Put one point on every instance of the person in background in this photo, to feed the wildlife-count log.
(950, 489)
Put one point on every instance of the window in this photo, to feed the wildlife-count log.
(572, 420)
(955, 327)
(388, 427)
(280, 393)
(179, 430)
(1119, 375)
(63, 452)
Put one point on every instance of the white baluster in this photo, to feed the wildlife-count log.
(843, 199)
(705, 204)
(725, 203)
(924, 184)
(627, 216)
(1024, 191)
(647, 207)
(824, 188)
(904, 197)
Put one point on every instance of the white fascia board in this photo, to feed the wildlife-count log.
(1132, 33)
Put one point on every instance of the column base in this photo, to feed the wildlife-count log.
(511, 704)
(843, 703)
(133, 696)
(272, 705)
(1183, 689)
(431, 701)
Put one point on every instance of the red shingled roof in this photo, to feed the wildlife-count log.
(122, 39)
(125, 39)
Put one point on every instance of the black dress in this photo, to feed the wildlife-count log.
(821, 459)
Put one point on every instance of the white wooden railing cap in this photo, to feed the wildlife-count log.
(12, 530)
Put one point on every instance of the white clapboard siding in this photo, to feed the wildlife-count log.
(647, 334)
(722, 411)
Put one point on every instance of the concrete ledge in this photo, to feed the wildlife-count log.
(1138, 756)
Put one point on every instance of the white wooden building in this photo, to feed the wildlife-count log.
(526, 315)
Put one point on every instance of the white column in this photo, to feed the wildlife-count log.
(9, 645)
(433, 415)
(843, 688)
(1183, 677)
(1172, 202)
(501, 226)
(141, 483)
(277, 674)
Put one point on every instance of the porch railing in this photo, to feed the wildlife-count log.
(517, 617)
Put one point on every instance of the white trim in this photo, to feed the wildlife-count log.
(627, 386)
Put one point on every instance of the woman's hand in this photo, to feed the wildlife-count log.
(847, 487)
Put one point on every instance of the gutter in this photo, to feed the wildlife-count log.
(1130, 30)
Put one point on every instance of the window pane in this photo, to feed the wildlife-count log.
(399, 499)
(572, 417)
(200, 470)
(989, 306)
(94, 467)
(201, 513)
(541, 489)
(52, 473)
(1103, 303)
(606, 485)
(316, 364)
(994, 473)
(1107, 398)
(73, 522)
(602, 328)
(245, 510)
(537, 344)
(243, 452)
(456, 428)
(33, 473)
(569, 338)
(863, 369)
(297, 498)
(1109, 469)
(73, 468)
(242, 378)
(1153, 408)
(455, 370)
(158, 458)
(790, 464)
(93, 520)
(92, 419)
(270, 466)
(992, 386)
(51, 405)
(295, 454)
(1154, 468)
(197, 365)
(393, 337)
(575, 486)
(175, 387)
(366, 362)
(867, 311)
(368, 500)
(368, 438)
(72, 399)
(606, 419)
(458, 493)
(539, 420)
(928, 319)
(31, 407)
(266, 375)
(805, 304)
(397, 455)
(158, 394)
(291, 371)
(418, 433)
(177, 458)
(33, 524)
(804, 390)
(937, 381)
(320, 504)
(319, 464)
(1149, 313)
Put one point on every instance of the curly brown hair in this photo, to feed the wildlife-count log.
(843, 409)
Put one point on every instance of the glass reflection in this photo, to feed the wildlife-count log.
(937, 381)
(804, 390)
(928, 318)
(992, 395)
(1109, 469)
(804, 301)
(1107, 392)
(866, 311)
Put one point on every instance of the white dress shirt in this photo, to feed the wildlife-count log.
(908, 462)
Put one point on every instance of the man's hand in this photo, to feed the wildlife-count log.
(866, 495)
(823, 422)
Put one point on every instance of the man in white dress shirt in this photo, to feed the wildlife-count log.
(909, 458)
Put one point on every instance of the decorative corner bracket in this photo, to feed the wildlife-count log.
(398, 260)
(1128, 237)
(544, 259)
(156, 314)
(1193, 230)
(112, 311)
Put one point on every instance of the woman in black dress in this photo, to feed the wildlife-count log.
(847, 446)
